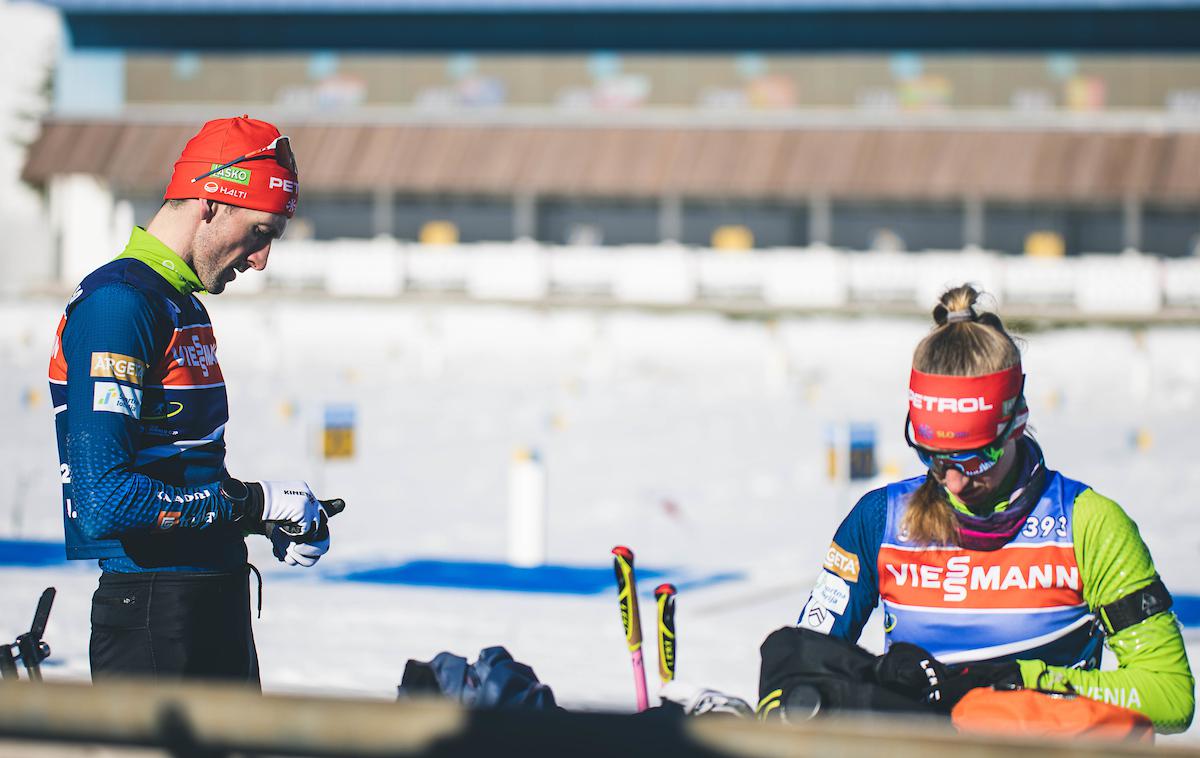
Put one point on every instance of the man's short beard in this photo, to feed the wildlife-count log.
(213, 281)
(202, 263)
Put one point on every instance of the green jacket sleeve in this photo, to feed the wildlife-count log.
(1153, 675)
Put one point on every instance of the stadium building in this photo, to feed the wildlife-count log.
(1058, 128)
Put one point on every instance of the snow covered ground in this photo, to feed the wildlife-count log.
(697, 440)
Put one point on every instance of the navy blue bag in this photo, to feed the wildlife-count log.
(495, 680)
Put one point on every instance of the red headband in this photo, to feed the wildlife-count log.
(964, 412)
(261, 185)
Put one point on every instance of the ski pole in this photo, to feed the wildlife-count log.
(628, 601)
(29, 646)
(33, 650)
(331, 507)
(665, 595)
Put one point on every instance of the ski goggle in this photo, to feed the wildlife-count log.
(281, 147)
(971, 462)
(968, 462)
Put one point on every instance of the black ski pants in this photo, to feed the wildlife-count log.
(167, 625)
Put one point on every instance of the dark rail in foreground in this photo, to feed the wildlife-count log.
(212, 720)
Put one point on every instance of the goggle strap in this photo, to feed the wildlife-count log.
(272, 146)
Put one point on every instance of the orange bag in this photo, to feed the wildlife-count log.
(1035, 713)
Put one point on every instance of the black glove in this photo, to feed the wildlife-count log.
(910, 670)
(290, 506)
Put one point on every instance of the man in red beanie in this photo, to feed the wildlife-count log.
(140, 410)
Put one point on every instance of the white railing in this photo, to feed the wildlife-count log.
(788, 278)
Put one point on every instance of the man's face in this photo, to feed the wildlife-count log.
(231, 241)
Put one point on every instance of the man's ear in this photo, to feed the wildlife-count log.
(208, 209)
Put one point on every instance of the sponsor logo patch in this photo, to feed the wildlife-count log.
(235, 174)
(164, 411)
(190, 497)
(111, 397)
(168, 519)
(287, 185)
(831, 592)
(1034, 576)
(211, 187)
(117, 366)
(817, 617)
(842, 563)
(889, 622)
(949, 404)
(196, 351)
(239, 194)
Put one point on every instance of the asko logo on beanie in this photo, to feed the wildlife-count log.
(263, 176)
(964, 412)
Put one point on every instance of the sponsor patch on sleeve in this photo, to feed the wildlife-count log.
(117, 366)
(816, 616)
(111, 397)
(832, 592)
(842, 563)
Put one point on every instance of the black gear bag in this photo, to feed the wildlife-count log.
(805, 673)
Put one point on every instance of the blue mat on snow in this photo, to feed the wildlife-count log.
(31, 554)
(478, 575)
(474, 575)
(1187, 609)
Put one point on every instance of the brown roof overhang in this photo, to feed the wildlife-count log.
(623, 160)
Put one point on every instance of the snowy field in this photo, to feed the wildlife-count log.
(697, 440)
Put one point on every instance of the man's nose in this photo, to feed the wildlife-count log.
(258, 259)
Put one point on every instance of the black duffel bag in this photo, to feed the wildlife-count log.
(805, 673)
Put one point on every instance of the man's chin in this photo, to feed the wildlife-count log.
(219, 282)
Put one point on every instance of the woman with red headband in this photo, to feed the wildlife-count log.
(993, 569)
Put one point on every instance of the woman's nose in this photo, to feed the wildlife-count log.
(955, 482)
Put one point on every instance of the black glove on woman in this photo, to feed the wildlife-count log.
(910, 670)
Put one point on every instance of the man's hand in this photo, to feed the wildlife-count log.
(294, 553)
(306, 549)
(275, 502)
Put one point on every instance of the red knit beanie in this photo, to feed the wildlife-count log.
(265, 180)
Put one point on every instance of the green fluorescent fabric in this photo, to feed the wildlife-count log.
(1153, 674)
(148, 249)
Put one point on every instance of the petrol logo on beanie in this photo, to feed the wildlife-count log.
(964, 412)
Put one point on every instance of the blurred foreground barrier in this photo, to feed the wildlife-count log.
(213, 720)
(191, 719)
